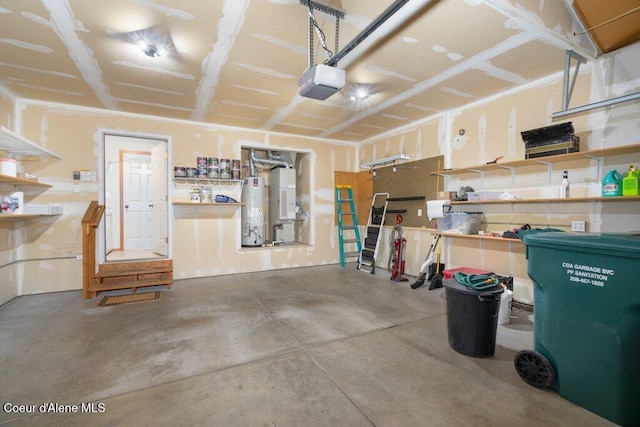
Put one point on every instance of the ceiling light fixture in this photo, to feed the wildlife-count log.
(151, 50)
(360, 95)
(386, 160)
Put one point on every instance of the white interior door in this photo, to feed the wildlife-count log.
(136, 209)
(159, 222)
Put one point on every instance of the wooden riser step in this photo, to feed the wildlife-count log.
(133, 285)
(131, 271)
(132, 275)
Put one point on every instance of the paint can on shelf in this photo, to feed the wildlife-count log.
(201, 167)
(207, 195)
(191, 173)
(195, 194)
(179, 172)
(235, 169)
(213, 168)
(225, 169)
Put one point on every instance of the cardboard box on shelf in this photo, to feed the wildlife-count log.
(460, 222)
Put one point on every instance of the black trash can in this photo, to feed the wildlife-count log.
(472, 318)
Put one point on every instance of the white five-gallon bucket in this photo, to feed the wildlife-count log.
(8, 167)
(505, 307)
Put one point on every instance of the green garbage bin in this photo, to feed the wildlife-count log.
(587, 319)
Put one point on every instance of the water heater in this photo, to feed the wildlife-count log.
(253, 212)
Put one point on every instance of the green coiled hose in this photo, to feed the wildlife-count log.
(478, 282)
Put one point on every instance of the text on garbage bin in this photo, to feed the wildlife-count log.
(587, 274)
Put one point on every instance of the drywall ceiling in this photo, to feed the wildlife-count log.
(237, 62)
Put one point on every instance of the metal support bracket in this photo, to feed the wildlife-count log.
(549, 170)
(513, 173)
(598, 160)
(310, 59)
(325, 9)
(481, 173)
(567, 90)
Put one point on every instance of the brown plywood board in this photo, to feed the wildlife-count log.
(362, 187)
(411, 179)
(624, 28)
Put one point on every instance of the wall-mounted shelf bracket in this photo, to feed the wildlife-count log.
(598, 160)
(549, 169)
(513, 173)
(481, 173)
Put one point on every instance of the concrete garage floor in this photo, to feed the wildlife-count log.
(310, 346)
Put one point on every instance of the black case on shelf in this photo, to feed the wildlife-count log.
(550, 140)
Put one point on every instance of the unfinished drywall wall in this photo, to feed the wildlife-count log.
(205, 242)
(10, 270)
(6, 110)
(492, 127)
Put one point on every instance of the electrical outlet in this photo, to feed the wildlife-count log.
(578, 226)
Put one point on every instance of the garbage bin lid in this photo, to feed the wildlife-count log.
(611, 244)
(453, 285)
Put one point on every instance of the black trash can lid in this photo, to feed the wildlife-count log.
(453, 285)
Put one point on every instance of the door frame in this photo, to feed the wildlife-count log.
(101, 136)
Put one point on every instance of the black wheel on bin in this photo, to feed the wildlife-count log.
(534, 368)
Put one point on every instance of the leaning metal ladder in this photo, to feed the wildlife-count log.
(367, 260)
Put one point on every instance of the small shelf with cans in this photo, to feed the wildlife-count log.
(207, 183)
(197, 193)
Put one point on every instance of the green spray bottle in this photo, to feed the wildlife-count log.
(630, 182)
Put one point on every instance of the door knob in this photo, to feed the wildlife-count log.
(151, 205)
(126, 206)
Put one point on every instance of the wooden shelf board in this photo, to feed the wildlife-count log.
(196, 180)
(627, 149)
(20, 147)
(206, 204)
(551, 200)
(100, 287)
(133, 271)
(7, 179)
(479, 237)
(23, 216)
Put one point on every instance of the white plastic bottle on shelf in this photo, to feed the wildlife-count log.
(564, 187)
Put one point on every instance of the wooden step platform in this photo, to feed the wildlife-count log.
(132, 275)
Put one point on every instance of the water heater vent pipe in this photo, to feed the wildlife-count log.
(253, 160)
